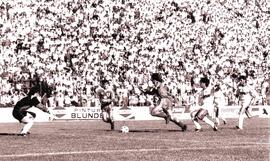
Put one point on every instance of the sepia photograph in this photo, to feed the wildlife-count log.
(134, 80)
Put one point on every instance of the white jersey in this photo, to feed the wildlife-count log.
(207, 100)
(246, 93)
(265, 89)
(219, 98)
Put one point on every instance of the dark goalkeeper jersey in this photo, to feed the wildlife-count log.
(26, 103)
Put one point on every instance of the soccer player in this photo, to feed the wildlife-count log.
(247, 96)
(206, 102)
(36, 97)
(166, 100)
(106, 97)
(266, 91)
(265, 94)
(219, 102)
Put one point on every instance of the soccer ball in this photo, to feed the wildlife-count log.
(124, 129)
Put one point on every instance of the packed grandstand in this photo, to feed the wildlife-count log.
(72, 44)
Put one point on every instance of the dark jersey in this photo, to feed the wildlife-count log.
(105, 96)
(161, 94)
(26, 103)
(160, 91)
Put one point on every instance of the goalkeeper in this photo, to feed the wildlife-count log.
(35, 97)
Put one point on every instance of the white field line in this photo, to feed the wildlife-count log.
(191, 141)
(119, 151)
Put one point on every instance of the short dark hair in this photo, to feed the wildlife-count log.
(157, 77)
(205, 80)
(242, 77)
(104, 81)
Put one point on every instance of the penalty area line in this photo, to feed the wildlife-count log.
(112, 151)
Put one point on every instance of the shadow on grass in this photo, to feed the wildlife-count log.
(9, 134)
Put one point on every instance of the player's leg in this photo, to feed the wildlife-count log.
(241, 116)
(216, 114)
(168, 115)
(166, 105)
(223, 119)
(220, 116)
(248, 112)
(195, 120)
(210, 122)
(167, 108)
(28, 120)
(157, 111)
(202, 115)
(198, 127)
(179, 123)
(110, 117)
(107, 116)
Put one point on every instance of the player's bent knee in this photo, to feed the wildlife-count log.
(105, 119)
(27, 119)
(151, 108)
(32, 113)
(193, 114)
(105, 116)
(152, 111)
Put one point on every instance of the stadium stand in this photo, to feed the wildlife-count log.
(73, 43)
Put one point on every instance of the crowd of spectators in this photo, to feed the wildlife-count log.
(72, 44)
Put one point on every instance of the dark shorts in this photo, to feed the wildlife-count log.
(106, 106)
(201, 113)
(19, 114)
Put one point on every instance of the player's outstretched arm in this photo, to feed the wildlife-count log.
(42, 107)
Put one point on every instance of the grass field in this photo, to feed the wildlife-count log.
(147, 140)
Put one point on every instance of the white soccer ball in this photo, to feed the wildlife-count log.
(124, 129)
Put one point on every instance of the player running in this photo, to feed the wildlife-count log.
(206, 101)
(37, 97)
(106, 97)
(247, 96)
(166, 100)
